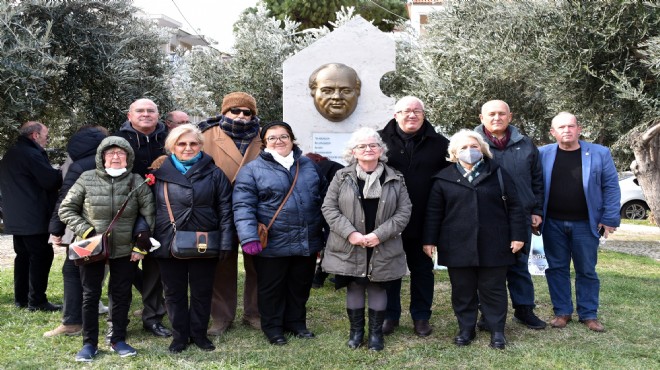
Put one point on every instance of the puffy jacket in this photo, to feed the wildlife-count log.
(96, 197)
(82, 151)
(427, 158)
(29, 184)
(468, 221)
(521, 160)
(343, 212)
(200, 200)
(146, 147)
(260, 187)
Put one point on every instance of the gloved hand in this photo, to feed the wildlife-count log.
(224, 255)
(252, 248)
(142, 241)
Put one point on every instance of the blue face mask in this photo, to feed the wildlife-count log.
(470, 156)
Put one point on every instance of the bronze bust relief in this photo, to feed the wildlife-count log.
(335, 88)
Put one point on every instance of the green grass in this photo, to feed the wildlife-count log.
(644, 222)
(630, 296)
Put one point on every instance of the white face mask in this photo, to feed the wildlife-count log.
(470, 156)
(115, 172)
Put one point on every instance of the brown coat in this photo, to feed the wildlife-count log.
(225, 154)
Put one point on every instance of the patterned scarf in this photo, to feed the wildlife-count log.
(372, 188)
(499, 143)
(471, 174)
(241, 132)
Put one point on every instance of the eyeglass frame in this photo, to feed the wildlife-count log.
(283, 138)
(416, 112)
(246, 112)
(372, 146)
(119, 153)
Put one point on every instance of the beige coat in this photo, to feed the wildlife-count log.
(343, 212)
(225, 154)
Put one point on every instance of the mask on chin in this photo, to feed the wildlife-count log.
(115, 172)
(470, 156)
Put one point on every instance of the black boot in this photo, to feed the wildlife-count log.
(525, 315)
(356, 336)
(376, 341)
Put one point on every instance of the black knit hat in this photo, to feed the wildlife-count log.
(268, 125)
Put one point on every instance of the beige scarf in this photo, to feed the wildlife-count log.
(372, 188)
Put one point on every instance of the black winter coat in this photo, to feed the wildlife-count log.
(200, 200)
(82, 151)
(427, 158)
(29, 187)
(468, 222)
(146, 147)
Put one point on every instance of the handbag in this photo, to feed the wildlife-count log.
(262, 229)
(192, 244)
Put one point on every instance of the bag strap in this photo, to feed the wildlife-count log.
(504, 197)
(121, 209)
(287, 196)
(169, 208)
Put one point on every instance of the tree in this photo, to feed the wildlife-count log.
(385, 14)
(71, 62)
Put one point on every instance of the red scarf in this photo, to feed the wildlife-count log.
(499, 143)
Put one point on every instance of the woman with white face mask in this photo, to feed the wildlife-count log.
(476, 222)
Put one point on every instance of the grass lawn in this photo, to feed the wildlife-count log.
(630, 297)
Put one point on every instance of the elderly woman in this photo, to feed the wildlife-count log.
(199, 195)
(285, 267)
(477, 224)
(88, 208)
(367, 208)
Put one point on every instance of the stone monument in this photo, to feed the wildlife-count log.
(332, 87)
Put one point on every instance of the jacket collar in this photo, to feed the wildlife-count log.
(516, 136)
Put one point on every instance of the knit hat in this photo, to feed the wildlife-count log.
(265, 127)
(239, 99)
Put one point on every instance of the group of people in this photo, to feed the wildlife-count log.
(407, 195)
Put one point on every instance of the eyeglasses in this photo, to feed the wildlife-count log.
(273, 139)
(417, 112)
(363, 147)
(237, 111)
(183, 144)
(147, 110)
(118, 153)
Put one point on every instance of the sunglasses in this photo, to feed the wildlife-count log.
(237, 111)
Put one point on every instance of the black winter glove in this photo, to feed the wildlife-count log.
(142, 242)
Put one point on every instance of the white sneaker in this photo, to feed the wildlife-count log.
(103, 309)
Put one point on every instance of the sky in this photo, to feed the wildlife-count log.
(211, 18)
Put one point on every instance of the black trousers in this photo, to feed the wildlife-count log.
(489, 284)
(34, 257)
(283, 285)
(73, 294)
(120, 286)
(177, 275)
(152, 292)
(421, 284)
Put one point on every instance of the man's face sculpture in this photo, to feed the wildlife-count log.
(336, 92)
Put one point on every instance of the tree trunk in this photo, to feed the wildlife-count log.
(647, 166)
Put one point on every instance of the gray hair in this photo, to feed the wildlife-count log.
(30, 127)
(458, 139)
(361, 134)
(403, 102)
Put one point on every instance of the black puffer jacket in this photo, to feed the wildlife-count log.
(146, 147)
(200, 200)
(82, 151)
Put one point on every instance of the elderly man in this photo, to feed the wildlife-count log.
(29, 184)
(232, 139)
(518, 155)
(418, 152)
(335, 88)
(175, 118)
(147, 138)
(582, 198)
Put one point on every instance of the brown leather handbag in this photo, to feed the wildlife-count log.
(262, 229)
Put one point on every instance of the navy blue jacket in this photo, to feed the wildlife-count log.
(146, 147)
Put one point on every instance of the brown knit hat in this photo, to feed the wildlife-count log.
(239, 99)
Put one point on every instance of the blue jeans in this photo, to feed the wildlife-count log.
(563, 241)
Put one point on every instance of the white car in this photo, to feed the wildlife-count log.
(633, 202)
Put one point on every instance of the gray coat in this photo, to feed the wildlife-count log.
(343, 212)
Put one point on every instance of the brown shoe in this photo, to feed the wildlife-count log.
(253, 322)
(422, 328)
(593, 324)
(389, 326)
(560, 321)
(69, 330)
(218, 328)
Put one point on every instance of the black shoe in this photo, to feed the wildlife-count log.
(302, 333)
(20, 304)
(203, 343)
(525, 315)
(277, 340)
(389, 325)
(158, 330)
(481, 324)
(465, 337)
(46, 307)
(497, 340)
(177, 347)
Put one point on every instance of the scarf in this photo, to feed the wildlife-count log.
(372, 188)
(286, 162)
(472, 174)
(499, 143)
(241, 133)
(184, 166)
